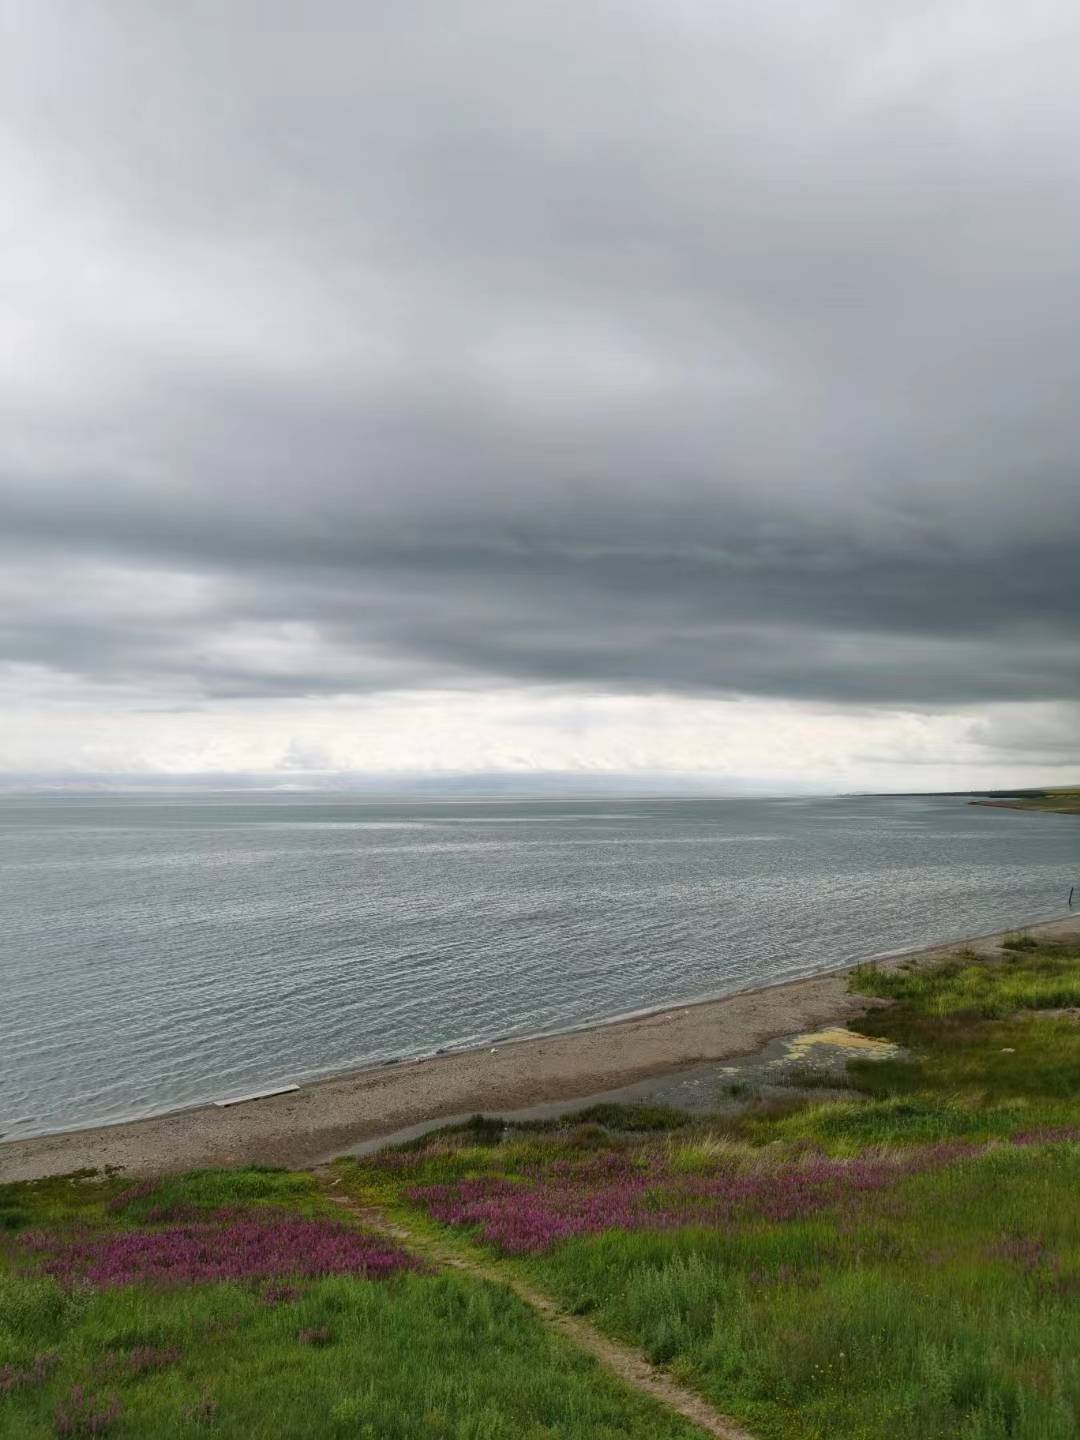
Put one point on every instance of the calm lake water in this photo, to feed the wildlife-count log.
(159, 951)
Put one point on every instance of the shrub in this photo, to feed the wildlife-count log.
(1020, 943)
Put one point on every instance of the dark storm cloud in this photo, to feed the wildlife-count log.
(645, 347)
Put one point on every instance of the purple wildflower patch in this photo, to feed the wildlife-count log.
(120, 1202)
(617, 1192)
(1047, 1135)
(142, 1360)
(1028, 1251)
(16, 1377)
(255, 1247)
(83, 1413)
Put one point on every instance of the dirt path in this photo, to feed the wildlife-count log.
(623, 1361)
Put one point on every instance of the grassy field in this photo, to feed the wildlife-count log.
(902, 1261)
(209, 1306)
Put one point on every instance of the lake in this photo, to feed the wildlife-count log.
(158, 951)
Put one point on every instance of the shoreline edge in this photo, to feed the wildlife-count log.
(308, 1125)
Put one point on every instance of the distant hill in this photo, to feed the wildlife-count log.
(1062, 801)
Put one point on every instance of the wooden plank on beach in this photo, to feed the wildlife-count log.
(257, 1095)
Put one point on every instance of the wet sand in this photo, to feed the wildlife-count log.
(332, 1116)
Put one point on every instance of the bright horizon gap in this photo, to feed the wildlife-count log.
(448, 786)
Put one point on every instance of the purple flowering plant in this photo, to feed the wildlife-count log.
(528, 1213)
(262, 1245)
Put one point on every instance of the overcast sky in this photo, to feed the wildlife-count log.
(643, 386)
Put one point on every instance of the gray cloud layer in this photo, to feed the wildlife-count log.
(637, 346)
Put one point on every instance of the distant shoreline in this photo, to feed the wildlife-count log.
(309, 1125)
(1058, 801)
(1003, 805)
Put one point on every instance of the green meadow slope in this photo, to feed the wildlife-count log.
(144, 1343)
(903, 1262)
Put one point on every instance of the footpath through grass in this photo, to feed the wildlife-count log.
(235, 1304)
(901, 1263)
(905, 1263)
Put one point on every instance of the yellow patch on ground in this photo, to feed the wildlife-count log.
(800, 1045)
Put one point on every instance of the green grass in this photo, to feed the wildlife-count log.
(980, 1060)
(217, 1189)
(488, 1130)
(418, 1355)
(90, 1197)
(80, 1195)
(1064, 800)
(946, 1305)
(637, 1119)
(903, 1315)
(1031, 977)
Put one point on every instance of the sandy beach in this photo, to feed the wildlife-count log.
(310, 1125)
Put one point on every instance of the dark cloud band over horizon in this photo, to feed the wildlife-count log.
(643, 350)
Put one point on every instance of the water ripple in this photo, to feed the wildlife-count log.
(157, 953)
